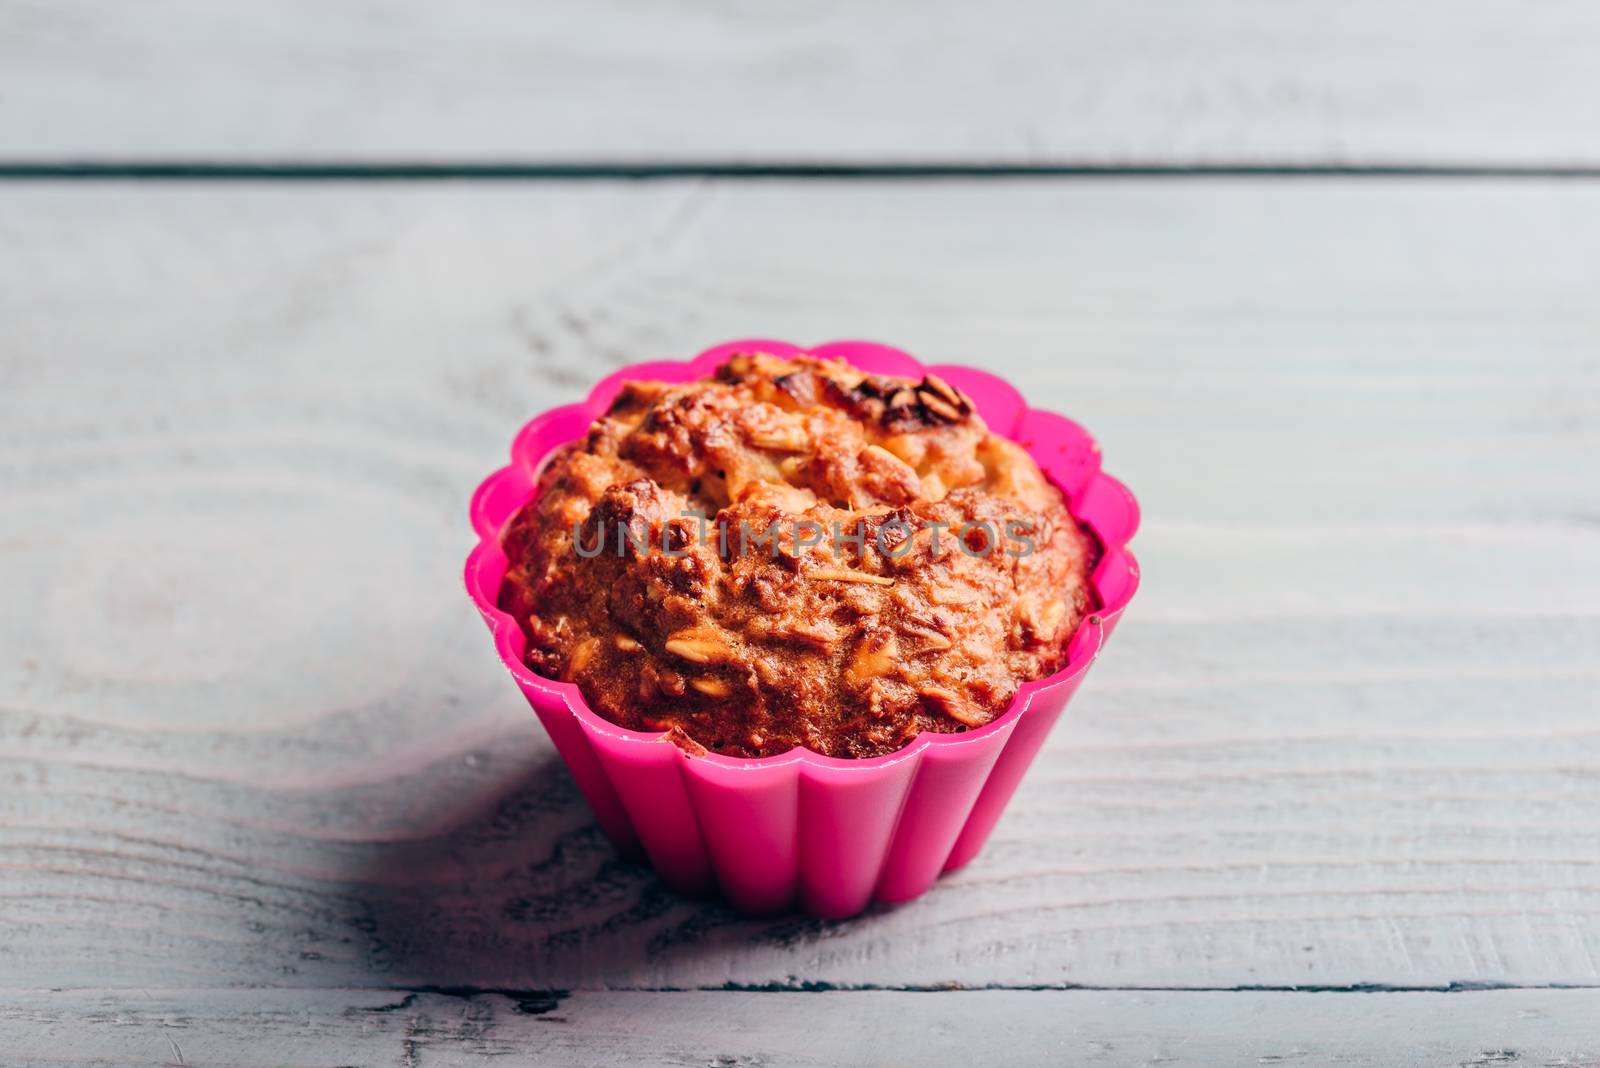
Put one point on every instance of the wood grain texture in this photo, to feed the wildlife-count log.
(302, 1029)
(251, 732)
(1088, 82)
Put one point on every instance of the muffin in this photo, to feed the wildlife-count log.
(795, 553)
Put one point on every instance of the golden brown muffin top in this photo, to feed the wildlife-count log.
(796, 553)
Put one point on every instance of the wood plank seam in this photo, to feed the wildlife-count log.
(604, 170)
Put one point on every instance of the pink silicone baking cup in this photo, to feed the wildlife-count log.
(802, 830)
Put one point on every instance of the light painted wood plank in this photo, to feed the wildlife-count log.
(1027, 81)
(287, 1028)
(250, 731)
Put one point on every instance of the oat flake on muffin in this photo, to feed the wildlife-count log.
(796, 553)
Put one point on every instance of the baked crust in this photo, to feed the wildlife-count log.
(872, 562)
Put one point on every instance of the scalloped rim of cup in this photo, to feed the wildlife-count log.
(1003, 412)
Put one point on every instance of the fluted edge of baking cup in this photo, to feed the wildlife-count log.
(801, 830)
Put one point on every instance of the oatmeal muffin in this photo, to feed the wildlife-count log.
(796, 553)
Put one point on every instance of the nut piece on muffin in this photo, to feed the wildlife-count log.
(796, 553)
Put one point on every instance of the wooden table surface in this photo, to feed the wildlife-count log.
(268, 798)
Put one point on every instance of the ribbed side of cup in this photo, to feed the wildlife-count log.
(788, 833)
